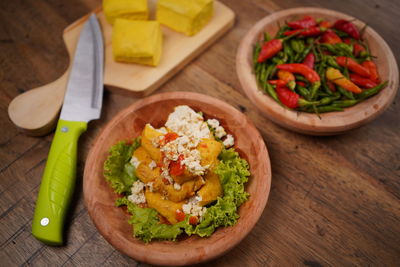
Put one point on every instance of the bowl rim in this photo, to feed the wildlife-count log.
(200, 255)
(332, 122)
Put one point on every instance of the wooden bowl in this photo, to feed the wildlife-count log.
(112, 222)
(330, 123)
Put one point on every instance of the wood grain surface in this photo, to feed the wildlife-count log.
(333, 201)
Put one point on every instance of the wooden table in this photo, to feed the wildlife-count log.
(334, 200)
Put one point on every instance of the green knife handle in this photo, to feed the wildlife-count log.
(57, 184)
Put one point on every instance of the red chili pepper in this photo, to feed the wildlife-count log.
(176, 167)
(179, 215)
(335, 76)
(309, 60)
(301, 83)
(347, 27)
(325, 24)
(302, 69)
(331, 86)
(361, 81)
(330, 37)
(277, 82)
(193, 220)
(352, 65)
(291, 99)
(270, 49)
(306, 22)
(288, 77)
(288, 97)
(313, 31)
(370, 65)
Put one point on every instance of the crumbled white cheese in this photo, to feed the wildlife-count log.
(137, 195)
(185, 121)
(177, 187)
(193, 207)
(135, 161)
(229, 141)
(152, 164)
(219, 130)
(149, 186)
(192, 162)
(162, 130)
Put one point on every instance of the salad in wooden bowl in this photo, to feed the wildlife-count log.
(177, 178)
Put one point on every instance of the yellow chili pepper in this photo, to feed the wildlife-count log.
(335, 76)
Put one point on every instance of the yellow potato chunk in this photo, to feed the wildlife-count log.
(166, 208)
(148, 134)
(127, 9)
(209, 151)
(211, 190)
(137, 41)
(143, 171)
(187, 190)
(184, 16)
(186, 176)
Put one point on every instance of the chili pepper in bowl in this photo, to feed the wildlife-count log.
(347, 27)
(362, 81)
(291, 99)
(304, 23)
(352, 65)
(309, 60)
(370, 65)
(330, 37)
(278, 83)
(288, 78)
(312, 31)
(335, 76)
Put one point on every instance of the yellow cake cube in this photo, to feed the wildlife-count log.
(128, 9)
(186, 16)
(137, 41)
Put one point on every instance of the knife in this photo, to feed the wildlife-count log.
(82, 103)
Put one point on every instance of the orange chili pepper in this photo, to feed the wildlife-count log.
(330, 37)
(335, 76)
(370, 65)
(288, 78)
(352, 65)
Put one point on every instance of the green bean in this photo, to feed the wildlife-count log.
(344, 92)
(288, 51)
(370, 92)
(332, 62)
(271, 91)
(257, 49)
(282, 29)
(266, 37)
(345, 103)
(303, 91)
(297, 45)
(300, 57)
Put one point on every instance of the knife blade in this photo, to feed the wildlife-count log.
(82, 103)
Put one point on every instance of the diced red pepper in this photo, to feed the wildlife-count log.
(176, 167)
(193, 220)
(179, 215)
(169, 137)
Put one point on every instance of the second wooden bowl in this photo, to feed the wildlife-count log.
(112, 222)
(333, 122)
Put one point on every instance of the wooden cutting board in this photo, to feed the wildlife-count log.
(36, 111)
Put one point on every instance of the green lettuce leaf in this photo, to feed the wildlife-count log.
(146, 224)
(233, 172)
(118, 171)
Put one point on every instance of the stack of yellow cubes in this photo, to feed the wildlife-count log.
(137, 40)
